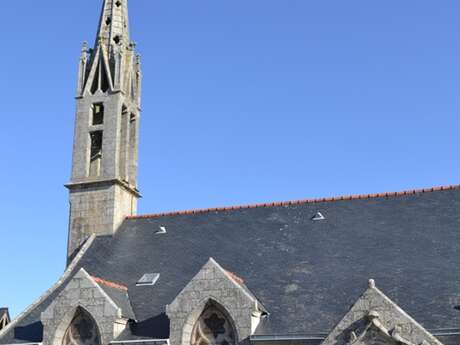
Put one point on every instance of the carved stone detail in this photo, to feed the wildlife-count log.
(376, 320)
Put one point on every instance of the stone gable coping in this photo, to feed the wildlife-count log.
(212, 284)
(82, 272)
(84, 292)
(213, 265)
(376, 315)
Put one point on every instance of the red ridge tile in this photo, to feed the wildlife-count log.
(110, 284)
(299, 202)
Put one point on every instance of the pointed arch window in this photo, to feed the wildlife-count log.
(213, 327)
(82, 330)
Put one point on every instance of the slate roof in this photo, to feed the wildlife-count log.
(306, 273)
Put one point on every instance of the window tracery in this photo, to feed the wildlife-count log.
(213, 327)
(82, 330)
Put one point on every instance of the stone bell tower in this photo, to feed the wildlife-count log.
(103, 186)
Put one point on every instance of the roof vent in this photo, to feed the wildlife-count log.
(318, 216)
(161, 231)
(148, 279)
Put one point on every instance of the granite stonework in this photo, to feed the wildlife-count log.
(82, 292)
(375, 319)
(213, 284)
(103, 186)
(98, 208)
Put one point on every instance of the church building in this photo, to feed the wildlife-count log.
(355, 270)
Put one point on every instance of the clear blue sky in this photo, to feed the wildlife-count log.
(244, 101)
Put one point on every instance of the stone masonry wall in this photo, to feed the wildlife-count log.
(91, 212)
(211, 283)
(373, 307)
(97, 210)
(82, 292)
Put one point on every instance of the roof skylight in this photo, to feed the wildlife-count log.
(148, 279)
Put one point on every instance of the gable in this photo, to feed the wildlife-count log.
(375, 319)
(82, 292)
(213, 284)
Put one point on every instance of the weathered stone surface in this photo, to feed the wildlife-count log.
(98, 209)
(103, 186)
(81, 292)
(214, 284)
(375, 319)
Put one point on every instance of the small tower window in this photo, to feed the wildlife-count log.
(95, 154)
(98, 114)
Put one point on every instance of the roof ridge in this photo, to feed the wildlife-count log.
(298, 202)
(110, 284)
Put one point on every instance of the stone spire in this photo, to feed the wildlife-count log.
(114, 24)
